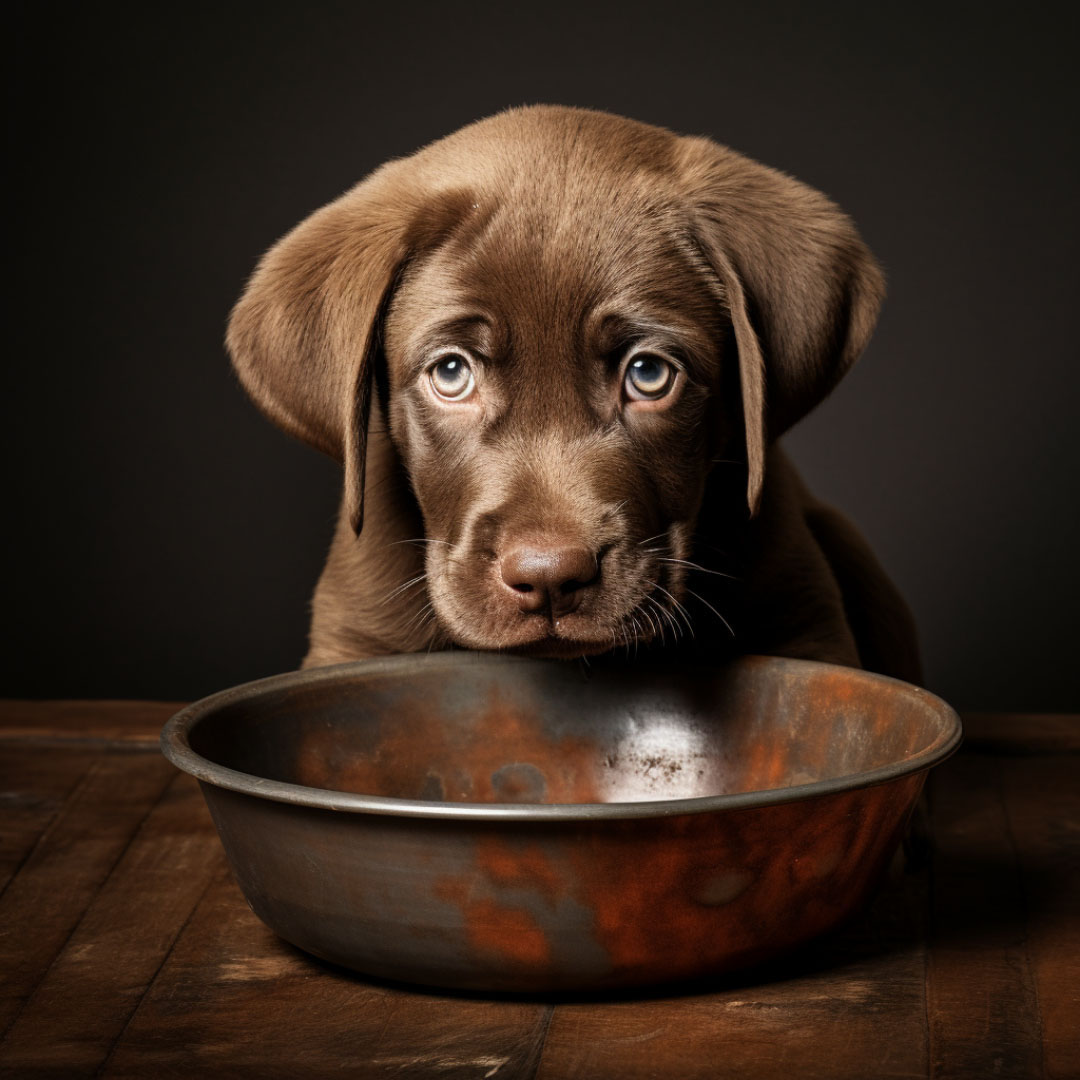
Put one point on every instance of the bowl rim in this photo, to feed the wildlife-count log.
(177, 748)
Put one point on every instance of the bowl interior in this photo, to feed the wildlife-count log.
(504, 731)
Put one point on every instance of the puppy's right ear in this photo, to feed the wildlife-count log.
(802, 289)
(304, 334)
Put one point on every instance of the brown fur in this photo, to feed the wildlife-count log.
(543, 244)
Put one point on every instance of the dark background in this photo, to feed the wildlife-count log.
(164, 539)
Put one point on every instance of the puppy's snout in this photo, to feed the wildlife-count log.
(549, 577)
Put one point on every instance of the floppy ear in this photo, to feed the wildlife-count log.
(802, 288)
(304, 334)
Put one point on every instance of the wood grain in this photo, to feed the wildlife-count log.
(33, 789)
(123, 722)
(1042, 800)
(981, 1002)
(234, 1000)
(1022, 734)
(68, 866)
(93, 985)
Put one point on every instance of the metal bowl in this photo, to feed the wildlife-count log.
(476, 821)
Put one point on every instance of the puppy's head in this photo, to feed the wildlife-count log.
(568, 317)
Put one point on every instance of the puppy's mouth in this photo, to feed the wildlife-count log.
(561, 639)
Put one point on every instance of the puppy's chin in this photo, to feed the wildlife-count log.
(559, 648)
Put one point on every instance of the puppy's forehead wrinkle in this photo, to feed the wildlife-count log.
(545, 337)
(452, 328)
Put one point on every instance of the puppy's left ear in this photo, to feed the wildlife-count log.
(304, 335)
(802, 288)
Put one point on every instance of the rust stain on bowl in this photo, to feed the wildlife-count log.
(505, 929)
(507, 935)
(418, 756)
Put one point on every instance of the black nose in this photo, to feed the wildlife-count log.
(549, 577)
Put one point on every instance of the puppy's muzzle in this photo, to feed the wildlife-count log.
(549, 578)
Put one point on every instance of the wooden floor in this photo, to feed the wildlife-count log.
(127, 951)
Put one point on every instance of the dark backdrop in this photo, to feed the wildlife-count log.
(164, 539)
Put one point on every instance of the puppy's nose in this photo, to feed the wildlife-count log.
(549, 577)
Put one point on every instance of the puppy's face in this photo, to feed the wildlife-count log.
(556, 407)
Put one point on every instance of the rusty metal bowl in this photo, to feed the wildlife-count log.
(482, 822)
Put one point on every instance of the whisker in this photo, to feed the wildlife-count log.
(402, 588)
(425, 615)
(685, 616)
(656, 631)
(680, 613)
(702, 569)
(666, 619)
(642, 543)
(678, 607)
(713, 610)
(419, 540)
(657, 625)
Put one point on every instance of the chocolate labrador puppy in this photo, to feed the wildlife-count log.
(554, 352)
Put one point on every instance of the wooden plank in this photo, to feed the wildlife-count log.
(33, 789)
(232, 999)
(135, 722)
(62, 874)
(982, 1007)
(1042, 800)
(79, 1009)
(851, 1006)
(1022, 734)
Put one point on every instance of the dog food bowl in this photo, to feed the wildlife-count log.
(483, 822)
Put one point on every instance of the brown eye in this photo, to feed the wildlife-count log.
(649, 377)
(451, 377)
